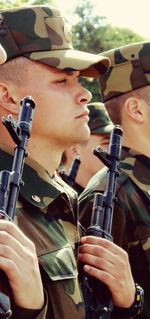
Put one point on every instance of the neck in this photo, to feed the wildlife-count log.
(135, 136)
(83, 175)
(46, 154)
(82, 180)
(137, 143)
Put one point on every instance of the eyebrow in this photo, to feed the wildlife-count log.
(65, 72)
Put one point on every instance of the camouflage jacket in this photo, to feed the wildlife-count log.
(78, 188)
(47, 213)
(131, 219)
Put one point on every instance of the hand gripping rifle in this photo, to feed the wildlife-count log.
(10, 182)
(97, 295)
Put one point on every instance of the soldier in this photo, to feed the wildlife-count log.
(100, 128)
(126, 92)
(42, 63)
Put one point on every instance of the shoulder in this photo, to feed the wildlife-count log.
(98, 183)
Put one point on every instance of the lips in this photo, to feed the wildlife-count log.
(84, 114)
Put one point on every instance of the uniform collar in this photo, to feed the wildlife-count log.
(39, 188)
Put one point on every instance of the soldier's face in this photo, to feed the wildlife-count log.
(61, 113)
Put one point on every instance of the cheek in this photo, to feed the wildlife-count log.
(43, 118)
(44, 107)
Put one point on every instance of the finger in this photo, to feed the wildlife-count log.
(15, 232)
(9, 267)
(96, 249)
(99, 274)
(8, 242)
(23, 276)
(116, 289)
(104, 252)
(102, 258)
(97, 262)
(10, 260)
(97, 254)
(107, 244)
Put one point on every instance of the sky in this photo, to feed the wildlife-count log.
(133, 14)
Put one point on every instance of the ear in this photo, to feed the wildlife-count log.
(7, 102)
(133, 108)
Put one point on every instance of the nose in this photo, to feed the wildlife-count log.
(84, 96)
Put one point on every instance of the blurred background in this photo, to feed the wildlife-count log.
(99, 25)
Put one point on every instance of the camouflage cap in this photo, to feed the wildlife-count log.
(130, 70)
(40, 33)
(99, 122)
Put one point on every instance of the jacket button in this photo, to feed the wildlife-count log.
(36, 198)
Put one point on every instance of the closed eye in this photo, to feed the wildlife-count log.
(61, 81)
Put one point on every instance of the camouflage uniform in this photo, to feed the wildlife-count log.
(47, 207)
(130, 69)
(99, 124)
(47, 213)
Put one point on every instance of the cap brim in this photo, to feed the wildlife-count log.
(103, 130)
(91, 65)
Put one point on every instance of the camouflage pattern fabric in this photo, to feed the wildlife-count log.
(99, 120)
(130, 70)
(131, 220)
(41, 34)
(47, 213)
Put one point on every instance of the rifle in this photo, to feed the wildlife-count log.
(97, 296)
(71, 176)
(10, 182)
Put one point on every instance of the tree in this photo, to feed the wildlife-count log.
(6, 4)
(41, 2)
(94, 34)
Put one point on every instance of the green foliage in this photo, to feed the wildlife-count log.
(94, 34)
(5, 4)
(41, 2)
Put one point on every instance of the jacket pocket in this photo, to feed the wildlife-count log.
(60, 264)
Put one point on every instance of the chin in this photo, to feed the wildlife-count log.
(79, 135)
(85, 133)
(84, 137)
